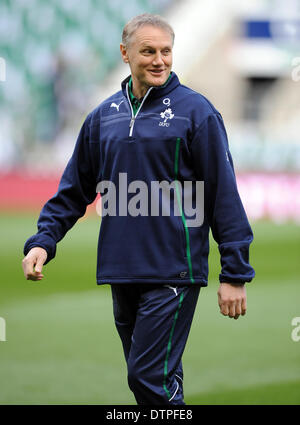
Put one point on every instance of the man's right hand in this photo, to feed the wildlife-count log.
(33, 263)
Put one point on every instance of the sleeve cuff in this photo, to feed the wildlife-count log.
(234, 280)
(41, 241)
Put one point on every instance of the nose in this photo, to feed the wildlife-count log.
(158, 60)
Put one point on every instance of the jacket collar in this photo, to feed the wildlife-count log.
(156, 92)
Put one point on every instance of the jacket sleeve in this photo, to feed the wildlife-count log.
(77, 189)
(222, 204)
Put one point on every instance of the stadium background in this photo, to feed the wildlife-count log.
(58, 60)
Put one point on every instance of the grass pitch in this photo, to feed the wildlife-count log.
(62, 346)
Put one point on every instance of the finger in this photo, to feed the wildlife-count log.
(232, 310)
(224, 309)
(38, 278)
(39, 265)
(34, 277)
(31, 274)
(28, 264)
(244, 306)
(238, 308)
(31, 277)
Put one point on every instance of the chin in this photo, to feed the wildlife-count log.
(157, 81)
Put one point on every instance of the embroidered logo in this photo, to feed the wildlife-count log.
(166, 115)
(114, 105)
(174, 288)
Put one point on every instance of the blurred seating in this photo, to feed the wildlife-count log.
(56, 54)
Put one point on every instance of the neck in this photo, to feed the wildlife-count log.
(138, 90)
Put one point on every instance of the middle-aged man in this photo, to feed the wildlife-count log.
(153, 130)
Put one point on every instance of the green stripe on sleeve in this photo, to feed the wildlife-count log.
(186, 230)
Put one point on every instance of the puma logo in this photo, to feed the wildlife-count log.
(173, 288)
(114, 105)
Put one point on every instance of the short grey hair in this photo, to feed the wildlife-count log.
(145, 19)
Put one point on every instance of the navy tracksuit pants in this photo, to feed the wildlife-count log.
(153, 322)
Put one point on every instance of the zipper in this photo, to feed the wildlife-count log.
(133, 117)
(186, 230)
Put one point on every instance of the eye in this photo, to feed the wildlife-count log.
(147, 51)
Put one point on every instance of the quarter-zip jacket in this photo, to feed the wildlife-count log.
(176, 136)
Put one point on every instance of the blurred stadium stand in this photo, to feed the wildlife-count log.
(57, 53)
(62, 59)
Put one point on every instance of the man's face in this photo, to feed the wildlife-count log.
(149, 55)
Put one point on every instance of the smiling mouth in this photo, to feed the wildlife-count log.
(156, 71)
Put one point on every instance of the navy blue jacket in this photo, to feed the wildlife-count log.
(177, 135)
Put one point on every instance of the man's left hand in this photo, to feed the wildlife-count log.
(232, 299)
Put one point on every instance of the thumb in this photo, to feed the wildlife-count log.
(39, 264)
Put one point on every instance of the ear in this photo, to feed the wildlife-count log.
(124, 53)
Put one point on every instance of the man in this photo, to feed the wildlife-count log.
(153, 130)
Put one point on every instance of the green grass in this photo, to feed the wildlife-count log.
(271, 394)
(62, 346)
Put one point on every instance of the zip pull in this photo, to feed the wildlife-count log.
(131, 122)
(131, 125)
